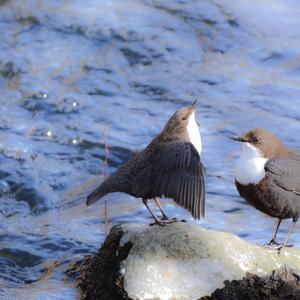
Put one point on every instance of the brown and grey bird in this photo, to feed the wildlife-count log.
(268, 177)
(169, 166)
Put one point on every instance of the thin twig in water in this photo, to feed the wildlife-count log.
(105, 176)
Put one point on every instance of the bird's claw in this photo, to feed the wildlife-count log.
(160, 223)
(174, 220)
(274, 245)
(177, 220)
(273, 242)
(281, 246)
(164, 221)
(164, 218)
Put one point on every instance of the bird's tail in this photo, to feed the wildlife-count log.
(95, 195)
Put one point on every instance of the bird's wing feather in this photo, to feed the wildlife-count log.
(285, 173)
(179, 174)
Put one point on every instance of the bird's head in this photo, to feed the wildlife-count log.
(178, 124)
(259, 142)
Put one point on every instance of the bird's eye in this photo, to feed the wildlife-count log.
(184, 118)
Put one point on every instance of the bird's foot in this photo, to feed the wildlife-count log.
(164, 218)
(156, 222)
(163, 221)
(282, 246)
(273, 242)
(174, 220)
(279, 245)
(274, 245)
(177, 220)
(170, 221)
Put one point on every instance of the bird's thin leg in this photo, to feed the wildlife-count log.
(164, 216)
(156, 221)
(285, 244)
(273, 239)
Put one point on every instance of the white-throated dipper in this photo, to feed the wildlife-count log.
(268, 177)
(169, 166)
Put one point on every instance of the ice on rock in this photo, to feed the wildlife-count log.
(183, 261)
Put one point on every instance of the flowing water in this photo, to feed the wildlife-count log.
(69, 70)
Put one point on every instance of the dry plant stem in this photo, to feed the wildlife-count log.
(105, 176)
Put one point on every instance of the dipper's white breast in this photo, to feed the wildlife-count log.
(251, 166)
(194, 133)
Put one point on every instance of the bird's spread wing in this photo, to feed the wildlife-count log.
(285, 173)
(179, 174)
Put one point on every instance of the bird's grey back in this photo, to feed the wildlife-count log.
(134, 177)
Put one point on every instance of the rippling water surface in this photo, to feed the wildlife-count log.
(69, 69)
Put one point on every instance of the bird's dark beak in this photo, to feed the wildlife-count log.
(238, 138)
(194, 104)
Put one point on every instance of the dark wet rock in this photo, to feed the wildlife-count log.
(105, 274)
(97, 276)
(281, 284)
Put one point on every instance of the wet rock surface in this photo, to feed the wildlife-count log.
(281, 284)
(105, 274)
(98, 276)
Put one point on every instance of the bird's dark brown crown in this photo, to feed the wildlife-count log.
(266, 142)
(176, 127)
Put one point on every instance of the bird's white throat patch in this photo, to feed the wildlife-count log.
(194, 133)
(251, 165)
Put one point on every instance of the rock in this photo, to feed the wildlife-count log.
(183, 261)
(281, 284)
(98, 276)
